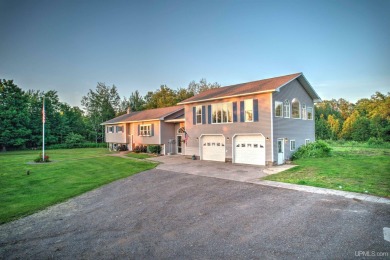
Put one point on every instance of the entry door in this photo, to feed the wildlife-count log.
(179, 147)
(280, 151)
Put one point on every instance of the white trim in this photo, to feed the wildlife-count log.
(196, 114)
(150, 129)
(312, 113)
(238, 95)
(299, 108)
(249, 134)
(201, 146)
(274, 109)
(179, 120)
(307, 141)
(295, 145)
(177, 143)
(272, 131)
(278, 89)
(289, 109)
(245, 101)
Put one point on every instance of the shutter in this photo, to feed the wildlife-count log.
(255, 110)
(209, 114)
(194, 115)
(107, 129)
(234, 111)
(139, 129)
(152, 130)
(203, 114)
(242, 111)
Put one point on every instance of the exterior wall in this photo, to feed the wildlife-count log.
(138, 140)
(263, 126)
(119, 138)
(167, 132)
(290, 128)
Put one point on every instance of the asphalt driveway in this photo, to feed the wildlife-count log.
(162, 214)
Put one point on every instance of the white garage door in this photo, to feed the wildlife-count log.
(249, 149)
(213, 148)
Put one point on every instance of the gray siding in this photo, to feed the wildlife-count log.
(293, 129)
(230, 129)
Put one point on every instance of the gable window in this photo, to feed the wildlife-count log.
(292, 145)
(119, 129)
(222, 113)
(198, 115)
(309, 113)
(286, 110)
(248, 110)
(304, 113)
(296, 109)
(278, 109)
(144, 130)
(110, 129)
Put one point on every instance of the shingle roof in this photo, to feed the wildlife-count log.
(145, 115)
(264, 85)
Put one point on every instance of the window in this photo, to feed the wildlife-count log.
(198, 115)
(296, 109)
(292, 145)
(278, 109)
(222, 113)
(309, 113)
(248, 110)
(286, 110)
(119, 129)
(304, 113)
(110, 129)
(144, 130)
(307, 141)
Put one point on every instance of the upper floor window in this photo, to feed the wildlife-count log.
(248, 110)
(198, 115)
(278, 109)
(304, 113)
(222, 113)
(296, 109)
(286, 110)
(110, 129)
(309, 113)
(144, 130)
(119, 129)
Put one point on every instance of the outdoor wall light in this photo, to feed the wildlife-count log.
(197, 138)
(286, 140)
(228, 138)
(267, 138)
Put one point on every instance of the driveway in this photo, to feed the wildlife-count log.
(161, 214)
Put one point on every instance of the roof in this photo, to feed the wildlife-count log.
(145, 115)
(254, 87)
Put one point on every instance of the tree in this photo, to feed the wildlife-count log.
(163, 97)
(202, 85)
(14, 119)
(101, 105)
(322, 128)
(334, 127)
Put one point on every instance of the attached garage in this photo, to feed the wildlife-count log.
(249, 149)
(212, 147)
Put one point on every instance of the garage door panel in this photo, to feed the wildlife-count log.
(249, 150)
(213, 148)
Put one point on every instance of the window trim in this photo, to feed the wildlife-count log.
(249, 101)
(222, 105)
(312, 113)
(295, 101)
(119, 126)
(196, 115)
(304, 112)
(307, 141)
(281, 110)
(291, 142)
(149, 130)
(110, 129)
(286, 109)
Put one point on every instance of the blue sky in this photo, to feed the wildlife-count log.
(342, 47)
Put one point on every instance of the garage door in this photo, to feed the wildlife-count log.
(249, 149)
(213, 148)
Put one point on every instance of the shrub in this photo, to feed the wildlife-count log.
(74, 139)
(154, 149)
(317, 149)
(375, 141)
(41, 160)
(137, 149)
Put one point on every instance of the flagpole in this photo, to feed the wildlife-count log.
(43, 129)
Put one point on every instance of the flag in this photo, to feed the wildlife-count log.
(185, 137)
(43, 112)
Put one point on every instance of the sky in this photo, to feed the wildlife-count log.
(342, 47)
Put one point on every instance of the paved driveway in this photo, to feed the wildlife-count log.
(160, 214)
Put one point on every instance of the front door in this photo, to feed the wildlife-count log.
(280, 151)
(179, 147)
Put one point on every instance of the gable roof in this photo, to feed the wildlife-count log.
(145, 115)
(254, 87)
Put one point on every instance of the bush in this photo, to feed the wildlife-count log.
(41, 160)
(140, 149)
(375, 141)
(154, 149)
(317, 149)
(74, 139)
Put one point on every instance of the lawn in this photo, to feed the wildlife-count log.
(357, 169)
(72, 172)
(139, 155)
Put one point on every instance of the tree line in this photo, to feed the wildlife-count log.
(21, 112)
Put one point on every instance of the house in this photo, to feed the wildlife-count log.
(261, 122)
(149, 127)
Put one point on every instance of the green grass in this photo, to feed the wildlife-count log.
(357, 169)
(139, 155)
(72, 172)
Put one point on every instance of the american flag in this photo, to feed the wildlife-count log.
(185, 137)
